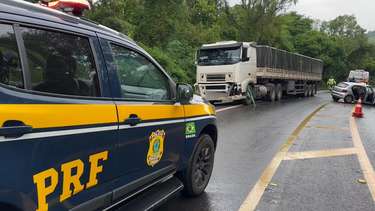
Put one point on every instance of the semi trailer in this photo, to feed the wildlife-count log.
(229, 71)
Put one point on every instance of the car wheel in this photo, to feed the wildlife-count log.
(348, 99)
(198, 173)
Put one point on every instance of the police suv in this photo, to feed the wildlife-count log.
(90, 121)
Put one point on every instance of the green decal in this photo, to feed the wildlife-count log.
(190, 130)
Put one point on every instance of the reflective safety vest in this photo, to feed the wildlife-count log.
(331, 83)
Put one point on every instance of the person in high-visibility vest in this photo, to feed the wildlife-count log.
(331, 83)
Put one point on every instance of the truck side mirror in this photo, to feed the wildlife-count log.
(184, 93)
(245, 58)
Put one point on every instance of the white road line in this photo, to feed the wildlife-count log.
(228, 108)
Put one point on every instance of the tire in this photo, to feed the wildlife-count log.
(199, 170)
(306, 94)
(335, 99)
(313, 90)
(348, 99)
(279, 92)
(272, 93)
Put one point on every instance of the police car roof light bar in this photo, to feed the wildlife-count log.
(75, 7)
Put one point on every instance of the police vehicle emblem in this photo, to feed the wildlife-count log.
(156, 147)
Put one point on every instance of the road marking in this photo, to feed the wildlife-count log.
(257, 191)
(364, 161)
(228, 108)
(327, 127)
(320, 153)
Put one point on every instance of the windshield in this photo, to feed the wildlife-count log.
(222, 56)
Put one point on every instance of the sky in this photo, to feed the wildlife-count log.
(326, 10)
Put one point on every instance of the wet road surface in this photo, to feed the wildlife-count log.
(283, 156)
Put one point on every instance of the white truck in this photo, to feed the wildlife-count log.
(231, 70)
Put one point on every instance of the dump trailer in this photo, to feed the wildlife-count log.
(230, 70)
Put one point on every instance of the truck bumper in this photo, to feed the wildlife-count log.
(219, 92)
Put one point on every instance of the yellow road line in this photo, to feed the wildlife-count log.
(364, 161)
(327, 127)
(257, 191)
(320, 153)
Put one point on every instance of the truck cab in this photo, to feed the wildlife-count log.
(224, 68)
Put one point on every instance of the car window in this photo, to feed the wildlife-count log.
(10, 65)
(60, 63)
(139, 78)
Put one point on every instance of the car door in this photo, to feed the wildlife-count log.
(151, 124)
(369, 95)
(57, 126)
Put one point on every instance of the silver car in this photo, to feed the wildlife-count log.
(351, 92)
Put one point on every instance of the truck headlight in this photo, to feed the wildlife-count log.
(202, 76)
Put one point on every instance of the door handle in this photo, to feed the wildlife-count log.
(133, 120)
(14, 129)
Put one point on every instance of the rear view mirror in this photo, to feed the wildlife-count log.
(184, 93)
(245, 57)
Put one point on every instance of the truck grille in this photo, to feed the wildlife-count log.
(216, 87)
(215, 77)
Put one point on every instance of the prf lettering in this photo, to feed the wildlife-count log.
(47, 181)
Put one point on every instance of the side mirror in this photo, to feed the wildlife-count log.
(184, 93)
(245, 57)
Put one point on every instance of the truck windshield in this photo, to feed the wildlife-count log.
(220, 56)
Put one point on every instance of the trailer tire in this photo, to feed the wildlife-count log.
(306, 93)
(313, 90)
(272, 92)
(279, 92)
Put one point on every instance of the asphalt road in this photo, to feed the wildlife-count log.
(249, 144)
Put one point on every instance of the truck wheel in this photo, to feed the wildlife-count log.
(272, 92)
(306, 94)
(311, 90)
(279, 92)
(199, 170)
(348, 99)
(313, 93)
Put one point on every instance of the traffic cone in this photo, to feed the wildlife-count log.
(358, 110)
